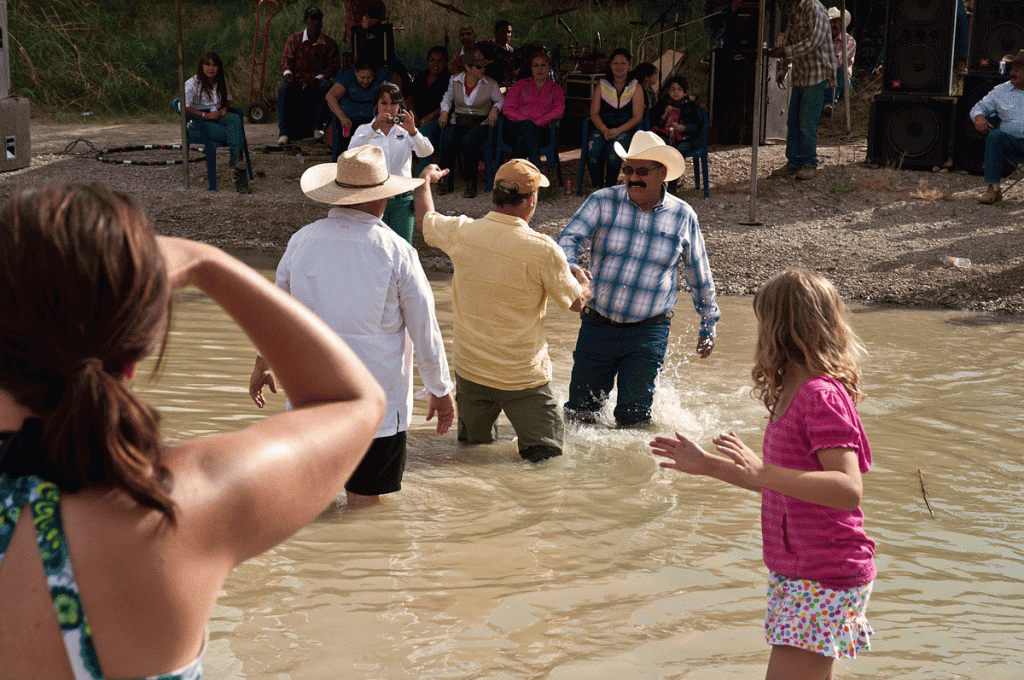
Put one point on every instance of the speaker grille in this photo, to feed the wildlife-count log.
(911, 131)
(919, 46)
(997, 30)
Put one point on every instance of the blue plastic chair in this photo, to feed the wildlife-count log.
(700, 154)
(197, 133)
(549, 151)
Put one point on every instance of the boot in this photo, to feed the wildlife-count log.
(237, 161)
(993, 195)
(242, 181)
(470, 191)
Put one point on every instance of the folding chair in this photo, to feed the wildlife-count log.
(549, 151)
(197, 133)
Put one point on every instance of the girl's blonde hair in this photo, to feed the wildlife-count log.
(802, 320)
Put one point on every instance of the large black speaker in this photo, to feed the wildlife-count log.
(741, 27)
(919, 46)
(968, 143)
(911, 131)
(996, 30)
(733, 77)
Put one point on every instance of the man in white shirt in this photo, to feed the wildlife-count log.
(367, 284)
(1004, 104)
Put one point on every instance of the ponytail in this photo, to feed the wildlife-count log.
(98, 413)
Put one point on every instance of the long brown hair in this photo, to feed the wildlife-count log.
(802, 320)
(84, 295)
(220, 84)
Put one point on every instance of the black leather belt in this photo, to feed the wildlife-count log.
(600, 318)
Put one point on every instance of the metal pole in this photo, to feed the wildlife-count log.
(846, 86)
(759, 86)
(181, 92)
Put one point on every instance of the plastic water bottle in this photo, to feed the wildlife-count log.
(958, 262)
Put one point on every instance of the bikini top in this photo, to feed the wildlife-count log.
(44, 499)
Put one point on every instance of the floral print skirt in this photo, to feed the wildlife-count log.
(805, 614)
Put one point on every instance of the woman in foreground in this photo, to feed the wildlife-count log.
(128, 540)
(821, 562)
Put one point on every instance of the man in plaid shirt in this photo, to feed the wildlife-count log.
(807, 47)
(640, 237)
(309, 62)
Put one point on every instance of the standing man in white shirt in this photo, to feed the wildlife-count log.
(367, 284)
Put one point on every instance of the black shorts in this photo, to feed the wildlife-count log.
(381, 469)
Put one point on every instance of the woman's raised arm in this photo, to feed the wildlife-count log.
(243, 492)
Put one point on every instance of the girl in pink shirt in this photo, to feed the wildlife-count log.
(820, 560)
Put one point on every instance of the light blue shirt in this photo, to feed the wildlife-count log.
(1006, 102)
(635, 257)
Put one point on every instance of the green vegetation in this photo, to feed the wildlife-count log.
(119, 58)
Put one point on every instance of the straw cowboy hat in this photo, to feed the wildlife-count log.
(833, 13)
(1014, 58)
(647, 146)
(360, 175)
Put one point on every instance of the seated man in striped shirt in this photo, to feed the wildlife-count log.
(640, 237)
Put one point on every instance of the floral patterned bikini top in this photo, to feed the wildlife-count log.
(44, 499)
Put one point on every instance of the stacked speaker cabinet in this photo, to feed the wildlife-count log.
(911, 131)
(919, 46)
(997, 29)
(911, 122)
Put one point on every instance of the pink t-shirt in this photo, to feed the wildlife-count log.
(807, 540)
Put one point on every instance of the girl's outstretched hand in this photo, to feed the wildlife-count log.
(685, 455)
(748, 465)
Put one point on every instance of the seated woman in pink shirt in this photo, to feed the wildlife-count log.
(530, 106)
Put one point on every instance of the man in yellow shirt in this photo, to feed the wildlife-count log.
(504, 273)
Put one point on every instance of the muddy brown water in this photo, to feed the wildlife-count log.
(600, 564)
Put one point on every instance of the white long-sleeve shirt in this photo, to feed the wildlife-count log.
(398, 146)
(366, 283)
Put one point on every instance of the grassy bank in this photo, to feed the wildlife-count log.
(118, 59)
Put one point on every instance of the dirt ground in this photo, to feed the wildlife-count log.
(877, 233)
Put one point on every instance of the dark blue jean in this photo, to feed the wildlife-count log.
(802, 125)
(311, 100)
(470, 142)
(633, 354)
(999, 147)
(834, 94)
(525, 138)
(601, 156)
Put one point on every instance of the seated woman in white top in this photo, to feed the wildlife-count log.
(469, 110)
(206, 96)
(393, 129)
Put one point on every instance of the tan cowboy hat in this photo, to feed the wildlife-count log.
(647, 146)
(360, 175)
(833, 13)
(1014, 58)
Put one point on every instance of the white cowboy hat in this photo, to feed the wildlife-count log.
(647, 146)
(360, 175)
(833, 13)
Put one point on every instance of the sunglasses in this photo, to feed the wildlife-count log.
(628, 170)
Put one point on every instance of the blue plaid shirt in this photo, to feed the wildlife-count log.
(635, 256)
